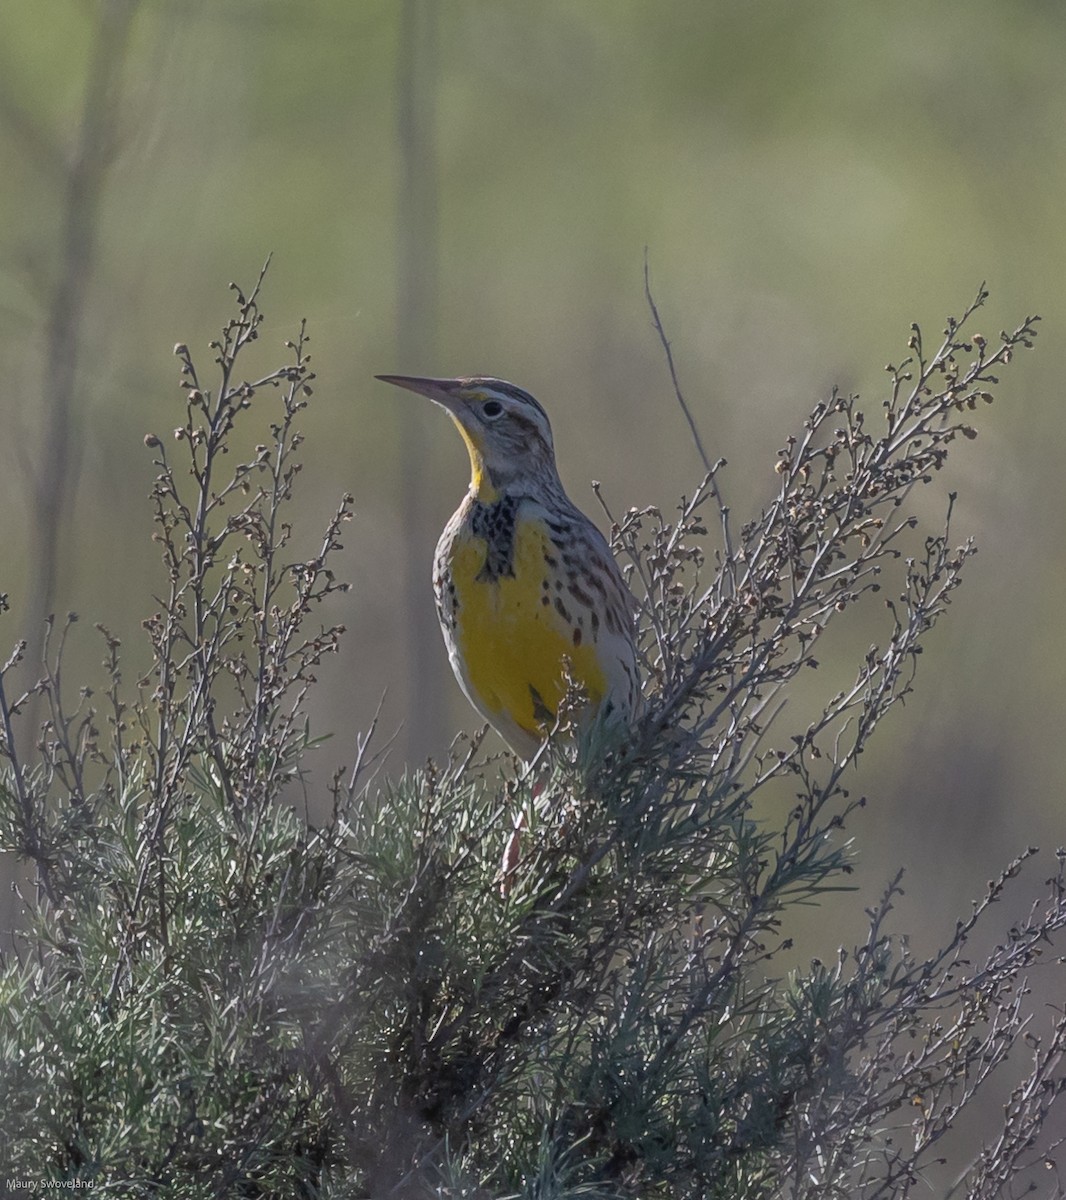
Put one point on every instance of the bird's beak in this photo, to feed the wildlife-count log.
(445, 392)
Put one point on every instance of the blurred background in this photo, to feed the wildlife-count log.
(470, 188)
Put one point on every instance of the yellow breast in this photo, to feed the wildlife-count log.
(510, 633)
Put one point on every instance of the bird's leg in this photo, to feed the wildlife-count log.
(513, 849)
(509, 863)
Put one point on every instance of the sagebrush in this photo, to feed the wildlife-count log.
(213, 995)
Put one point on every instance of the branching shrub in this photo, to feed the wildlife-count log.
(214, 995)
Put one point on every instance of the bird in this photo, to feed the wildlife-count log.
(529, 596)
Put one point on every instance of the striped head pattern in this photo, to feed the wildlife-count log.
(507, 433)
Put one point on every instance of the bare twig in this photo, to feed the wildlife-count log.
(712, 469)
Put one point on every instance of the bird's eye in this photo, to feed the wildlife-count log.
(492, 408)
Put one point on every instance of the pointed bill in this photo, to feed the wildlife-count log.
(442, 391)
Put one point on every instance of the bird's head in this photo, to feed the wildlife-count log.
(506, 431)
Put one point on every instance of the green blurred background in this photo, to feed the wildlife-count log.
(469, 187)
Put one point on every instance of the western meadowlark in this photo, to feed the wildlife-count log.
(528, 593)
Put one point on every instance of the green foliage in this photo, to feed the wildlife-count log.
(215, 994)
